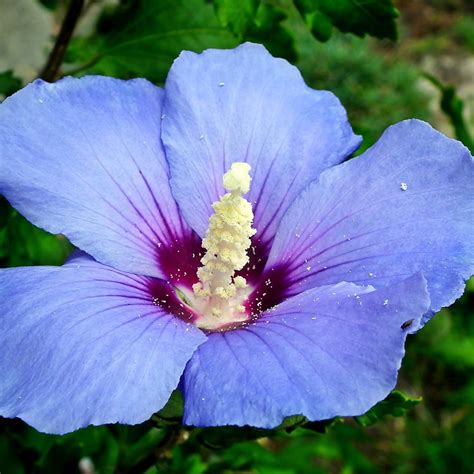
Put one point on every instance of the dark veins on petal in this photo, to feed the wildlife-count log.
(270, 290)
(180, 259)
(269, 287)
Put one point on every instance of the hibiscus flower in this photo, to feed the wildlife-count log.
(227, 247)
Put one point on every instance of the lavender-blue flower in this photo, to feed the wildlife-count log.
(227, 247)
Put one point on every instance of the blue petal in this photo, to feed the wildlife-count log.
(223, 106)
(83, 344)
(406, 205)
(331, 351)
(83, 157)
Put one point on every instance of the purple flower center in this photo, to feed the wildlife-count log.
(210, 289)
(181, 261)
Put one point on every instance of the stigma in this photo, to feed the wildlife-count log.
(219, 295)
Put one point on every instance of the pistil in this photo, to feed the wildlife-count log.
(219, 292)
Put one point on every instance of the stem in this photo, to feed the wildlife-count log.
(55, 59)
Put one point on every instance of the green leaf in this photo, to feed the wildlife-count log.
(50, 4)
(9, 84)
(269, 29)
(135, 450)
(322, 426)
(95, 442)
(396, 404)
(237, 16)
(360, 17)
(470, 285)
(172, 412)
(9, 459)
(452, 105)
(291, 423)
(142, 38)
(456, 350)
(184, 461)
(40, 452)
(225, 436)
(260, 22)
(21, 243)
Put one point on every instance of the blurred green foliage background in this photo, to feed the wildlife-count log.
(426, 74)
